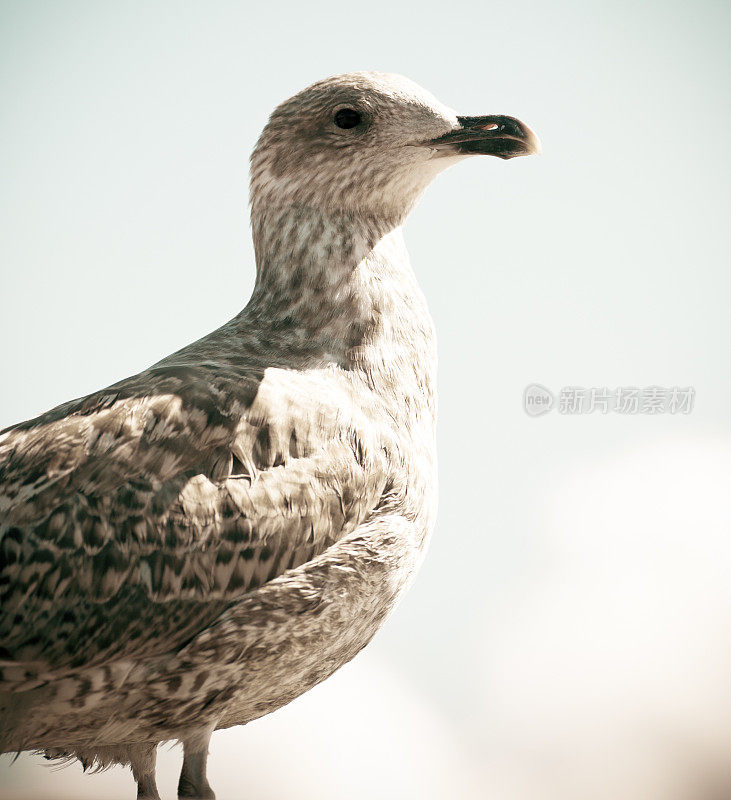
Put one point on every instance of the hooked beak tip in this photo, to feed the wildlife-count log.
(501, 136)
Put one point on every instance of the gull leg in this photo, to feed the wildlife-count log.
(142, 759)
(193, 783)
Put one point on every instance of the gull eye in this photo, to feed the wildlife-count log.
(347, 118)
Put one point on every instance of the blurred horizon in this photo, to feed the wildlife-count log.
(568, 635)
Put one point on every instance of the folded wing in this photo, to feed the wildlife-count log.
(133, 517)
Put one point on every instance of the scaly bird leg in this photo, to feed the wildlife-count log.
(193, 783)
(142, 760)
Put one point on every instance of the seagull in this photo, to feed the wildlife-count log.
(197, 545)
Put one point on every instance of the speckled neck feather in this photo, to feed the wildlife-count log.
(310, 264)
(345, 282)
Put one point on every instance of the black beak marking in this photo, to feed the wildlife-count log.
(504, 137)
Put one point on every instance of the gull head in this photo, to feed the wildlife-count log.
(369, 143)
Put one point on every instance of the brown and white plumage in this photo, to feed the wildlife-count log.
(198, 544)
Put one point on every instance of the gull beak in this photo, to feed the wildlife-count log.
(504, 137)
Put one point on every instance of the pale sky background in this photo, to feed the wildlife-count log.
(570, 633)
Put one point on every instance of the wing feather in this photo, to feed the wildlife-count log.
(131, 518)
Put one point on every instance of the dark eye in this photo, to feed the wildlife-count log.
(347, 118)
